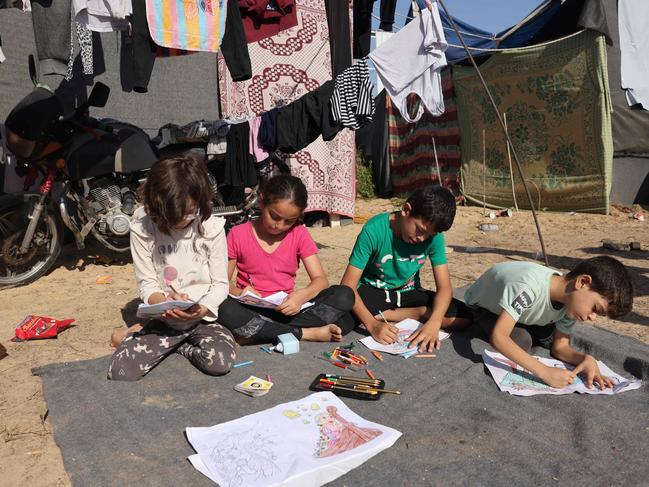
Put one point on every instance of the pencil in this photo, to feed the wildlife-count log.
(383, 316)
(241, 364)
(348, 377)
(362, 391)
(377, 355)
(370, 374)
(425, 355)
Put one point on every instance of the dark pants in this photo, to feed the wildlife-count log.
(525, 336)
(208, 346)
(333, 305)
(381, 300)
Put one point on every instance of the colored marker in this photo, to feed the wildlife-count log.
(241, 364)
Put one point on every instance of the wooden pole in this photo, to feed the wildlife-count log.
(439, 174)
(484, 174)
(511, 170)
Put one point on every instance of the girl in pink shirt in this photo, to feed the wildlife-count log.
(266, 255)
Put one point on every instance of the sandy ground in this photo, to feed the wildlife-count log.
(28, 453)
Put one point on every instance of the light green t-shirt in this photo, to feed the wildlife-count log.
(523, 290)
(390, 263)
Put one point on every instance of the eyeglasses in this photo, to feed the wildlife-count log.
(191, 216)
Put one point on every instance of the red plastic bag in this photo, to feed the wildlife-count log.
(36, 327)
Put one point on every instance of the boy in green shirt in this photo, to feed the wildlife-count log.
(511, 295)
(385, 261)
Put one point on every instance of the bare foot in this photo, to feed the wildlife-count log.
(326, 333)
(118, 335)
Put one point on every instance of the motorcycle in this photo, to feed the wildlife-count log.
(89, 171)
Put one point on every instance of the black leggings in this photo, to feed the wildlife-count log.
(333, 305)
(381, 300)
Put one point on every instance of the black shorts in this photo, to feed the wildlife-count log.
(381, 300)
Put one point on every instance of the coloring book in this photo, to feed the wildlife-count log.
(307, 442)
(406, 328)
(511, 377)
(156, 310)
(271, 301)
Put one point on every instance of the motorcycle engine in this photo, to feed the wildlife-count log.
(114, 205)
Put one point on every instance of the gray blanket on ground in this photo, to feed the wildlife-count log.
(458, 429)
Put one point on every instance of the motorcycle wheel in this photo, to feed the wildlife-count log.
(17, 269)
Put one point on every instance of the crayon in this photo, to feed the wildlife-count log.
(369, 374)
(333, 362)
(425, 355)
(241, 364)
(377, 355)
(269, 378)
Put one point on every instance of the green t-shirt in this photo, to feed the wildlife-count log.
(387, 261)
(523, 290)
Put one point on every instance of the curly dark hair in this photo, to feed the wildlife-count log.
(172, 182)
(611, 279)
(435, 205)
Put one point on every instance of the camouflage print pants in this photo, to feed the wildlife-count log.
(208, 346)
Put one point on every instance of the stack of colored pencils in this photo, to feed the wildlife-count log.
(355, 384)
(345, 356)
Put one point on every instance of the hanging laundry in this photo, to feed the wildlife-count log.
(266, 18)
(51, 21)
(232, 39)
(240, 169)
(338, 24)
(11, 4)
(102, 15)
(363, 23)
(410, 62)
(301, 122)
(634, 49)
(352, 104)
(2, 54)
(255, 147)
(82, 37)
(268, 130)
(195, 26)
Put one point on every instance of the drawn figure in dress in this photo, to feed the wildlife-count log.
(337, 435)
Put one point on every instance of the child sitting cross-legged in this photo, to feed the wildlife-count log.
(519, 303)
(386, 259)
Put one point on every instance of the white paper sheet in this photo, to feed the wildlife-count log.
(271, 301)
(512, 378)
(406, 328)
(301, 443)
(154, 310)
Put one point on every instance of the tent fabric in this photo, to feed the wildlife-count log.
(556, 98)
(458, 428)
(410, 148)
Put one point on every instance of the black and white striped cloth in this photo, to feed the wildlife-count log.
(352, 104)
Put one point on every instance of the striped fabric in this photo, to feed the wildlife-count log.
(352, 104)
(410, 146)
(190, 25)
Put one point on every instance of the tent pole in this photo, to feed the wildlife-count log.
(511, 171)
(502, 124)
(439, 174)
(484, 174)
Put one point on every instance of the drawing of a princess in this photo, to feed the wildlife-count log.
(337, 435)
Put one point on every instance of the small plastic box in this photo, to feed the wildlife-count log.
(287, 344)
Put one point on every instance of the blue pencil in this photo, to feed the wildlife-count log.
(241, 364)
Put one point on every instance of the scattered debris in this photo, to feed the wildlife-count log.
(36, 327)
(103, 259)
(637, 216)
(492, 214)
(507, 212)
(488, 227)
(621, 246)
(104, 280)
(361, 219)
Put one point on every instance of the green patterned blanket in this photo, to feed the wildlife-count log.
(556, 98)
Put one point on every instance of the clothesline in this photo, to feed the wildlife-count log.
(469, 34)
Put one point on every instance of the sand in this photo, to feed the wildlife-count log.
(28, 453)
